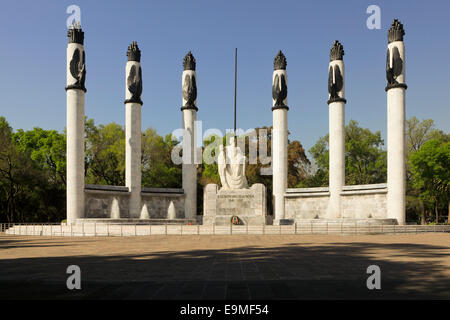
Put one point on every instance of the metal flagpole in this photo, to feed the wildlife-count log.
(235, 87)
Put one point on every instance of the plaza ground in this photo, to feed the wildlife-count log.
(226, 267)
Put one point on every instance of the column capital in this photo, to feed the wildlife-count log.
(75, 33)
(336, 51)
(279, 63)
(189, 62)
(396, 31)
(133, 52)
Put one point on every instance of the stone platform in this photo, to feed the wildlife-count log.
(249, 205)
(136, 221)
(345, 221)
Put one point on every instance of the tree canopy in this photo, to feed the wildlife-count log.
(365, 158)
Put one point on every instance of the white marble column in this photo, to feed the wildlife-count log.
(189, 110)
(75, 90)
(133, 105)
(396, 143)
(279, 136)
(336, 103)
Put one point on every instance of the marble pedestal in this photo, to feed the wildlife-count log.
(249, 205)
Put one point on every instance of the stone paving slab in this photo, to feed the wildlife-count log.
(226, 267)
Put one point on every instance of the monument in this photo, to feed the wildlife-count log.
(75, 91)
(396, 143)
(133, 106)
(336, 103)
(234, 202)
(231, 164)
(279, 136)
(189, 110)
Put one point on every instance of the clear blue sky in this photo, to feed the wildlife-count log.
(33, 59)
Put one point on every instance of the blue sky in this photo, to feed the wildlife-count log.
(33, 59)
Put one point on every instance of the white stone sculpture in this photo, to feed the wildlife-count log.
(171, 213)
(231, 163)
(115, 209)
(144, 212)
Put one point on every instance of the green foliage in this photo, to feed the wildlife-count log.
(420, 205)
(32, 174)
(47, 148)
(33, 167)
(209, 172)
(431, 175)
(365, 158)
(105, 154)
(158, 169)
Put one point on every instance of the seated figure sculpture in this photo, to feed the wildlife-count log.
(231, 163)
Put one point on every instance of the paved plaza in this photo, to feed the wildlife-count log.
(226, 267)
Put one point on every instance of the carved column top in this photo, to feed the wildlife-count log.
(337, 51)
(75, 34)
(133, 52)
(189, 62)
(396, 31)
(279, 63)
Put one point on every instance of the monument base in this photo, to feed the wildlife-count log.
(244, 206)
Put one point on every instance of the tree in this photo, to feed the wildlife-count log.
(417, 133)
(105, 154)
(18, 177)
(158, 170)
(298, 163)
(48, 149)
(430, 167)
(365, 158)
(320, 154)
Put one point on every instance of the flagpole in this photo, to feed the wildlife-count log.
(235, 87)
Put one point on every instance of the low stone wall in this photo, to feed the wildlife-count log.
(357, 202)
(99, 201)
(158, 201)
(364, 201)
(306, 203)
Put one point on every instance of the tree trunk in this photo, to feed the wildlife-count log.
(436, 211)
(422, 213)
(448, 213)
